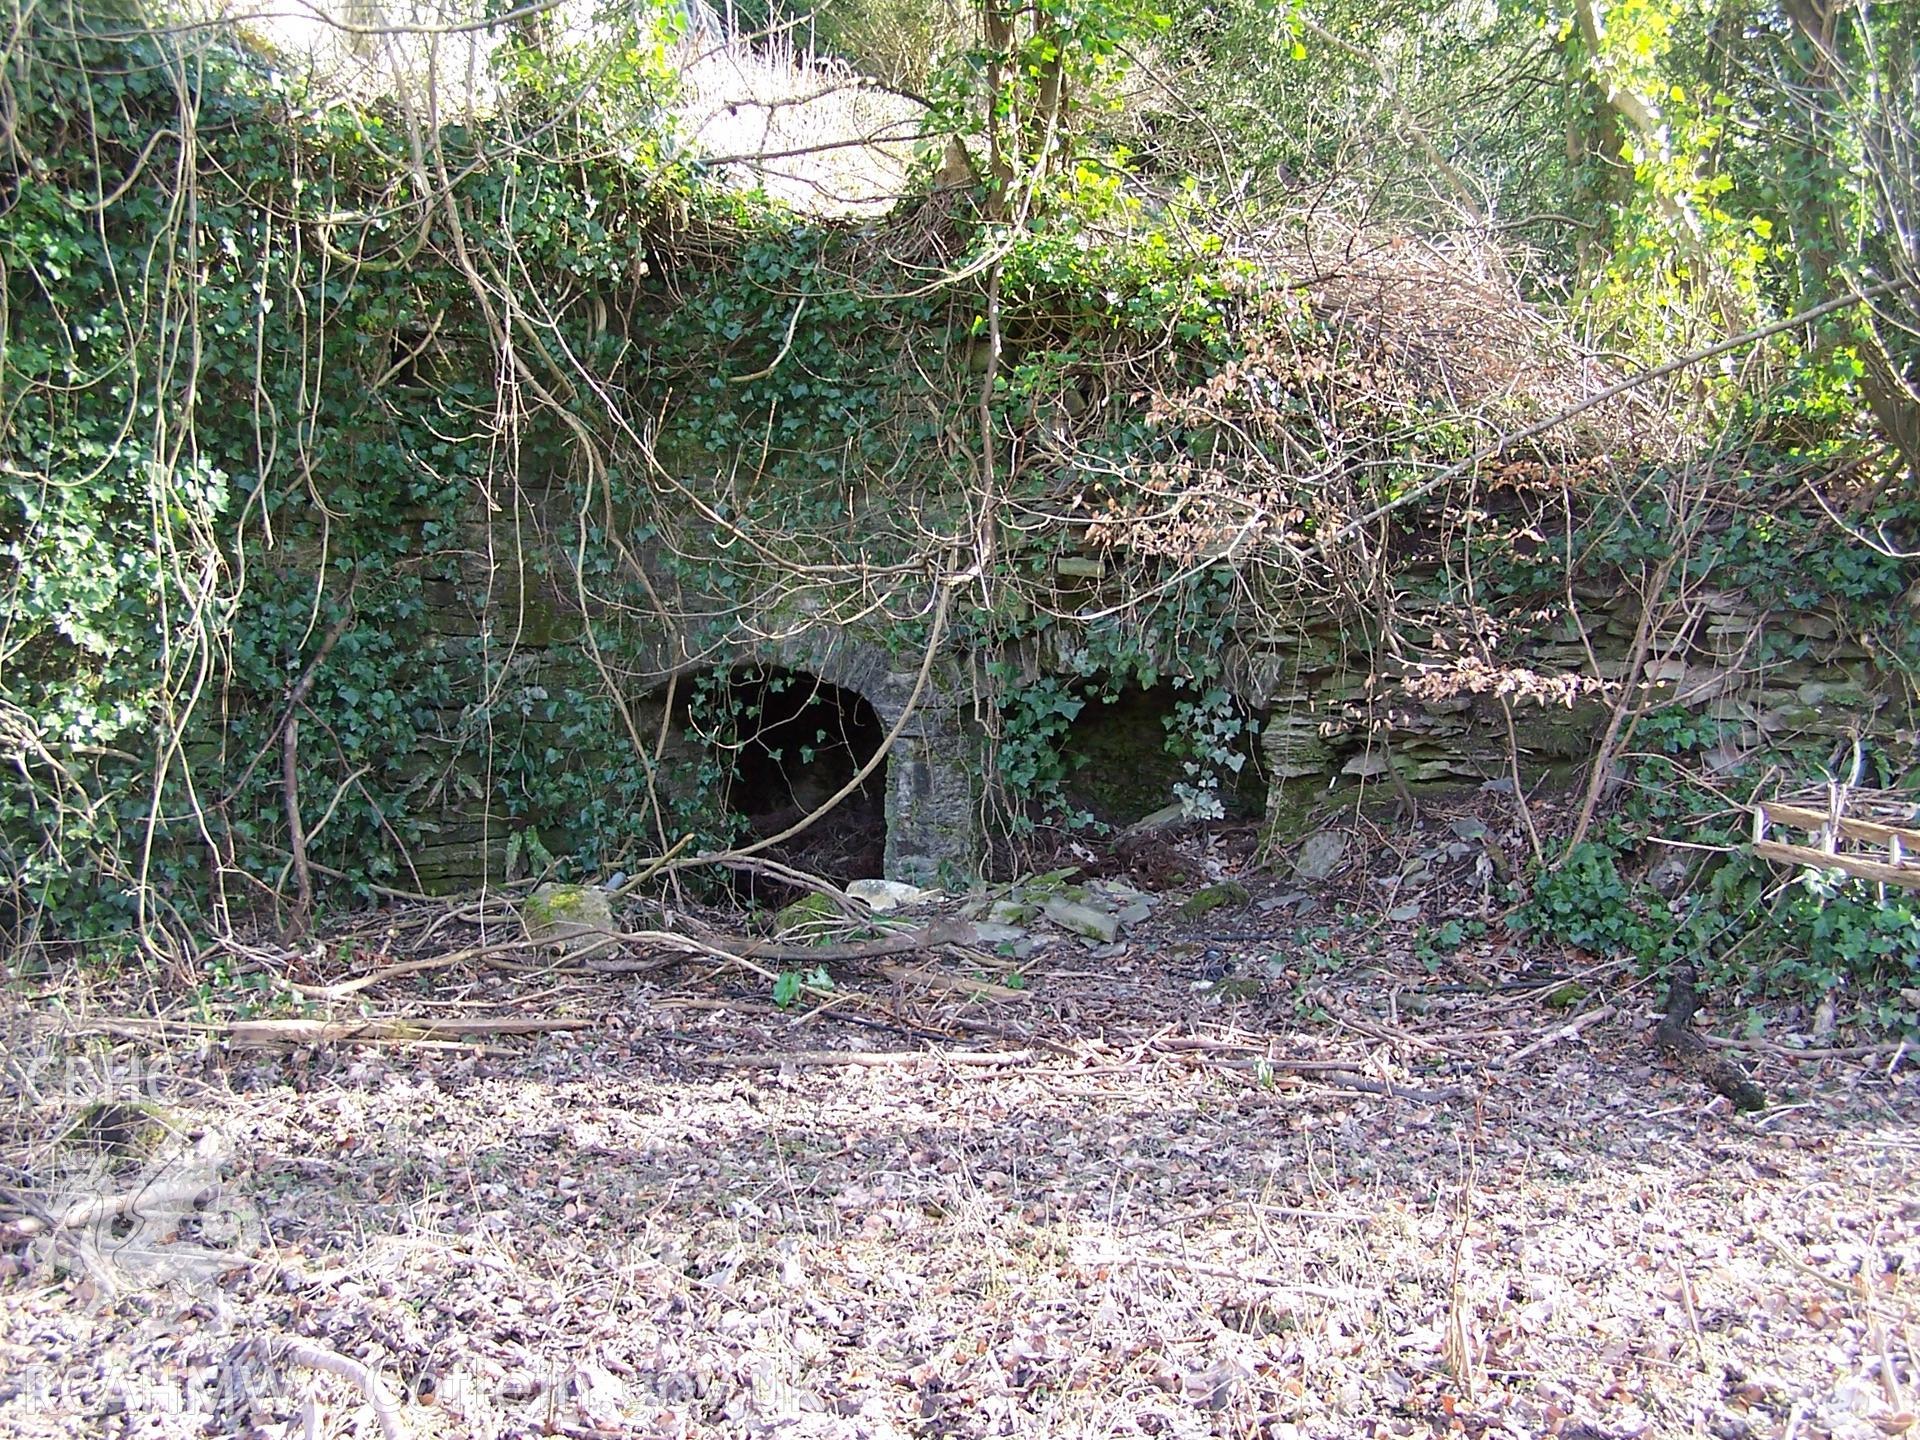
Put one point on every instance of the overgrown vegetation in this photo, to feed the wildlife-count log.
(381, 473)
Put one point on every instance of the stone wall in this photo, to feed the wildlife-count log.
(1333, 715)
(529, 636)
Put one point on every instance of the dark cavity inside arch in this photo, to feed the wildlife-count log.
(799, 740)
(1120, 768)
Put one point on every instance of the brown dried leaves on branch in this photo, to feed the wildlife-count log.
(1387, 361)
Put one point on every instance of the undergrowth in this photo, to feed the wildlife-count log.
(370, 481)
(1753, 932)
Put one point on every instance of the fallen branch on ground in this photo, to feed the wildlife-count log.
(1013, 1033)
(1789, 1052)
(312, 1357)
(936, 980)
(260, 1033)
(668, 945)
(927, 937)
(1564, 1032)
(1348, 1081)
(1674, 1036)
(776, 1059)
(623, 967)
(1234, 1047)
(146, 1201)
(347, 988)
(774, 870)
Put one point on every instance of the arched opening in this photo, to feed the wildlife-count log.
(1121, 767)
(794, 742)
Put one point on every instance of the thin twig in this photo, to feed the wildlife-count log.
(780, 1059)
(785, 345)
(1553, 1037)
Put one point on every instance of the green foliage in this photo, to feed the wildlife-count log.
(1431, 945)
(1208, 731)
(1084, 281)
(239, 451)
(271, 447)
(1747, 530)
(1850, 941)
(1029, 756)
(1358, 98)
(1027, 89)
(226, 994)
(1676, 168)
(183, 551)
(722, 717)
(1585, 902)
(898, 42)
(789, 985)
(1181, 637)
(1820, 935)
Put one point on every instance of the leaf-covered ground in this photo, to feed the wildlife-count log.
(1214, 1181)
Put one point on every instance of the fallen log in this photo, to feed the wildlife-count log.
(1674, 1037)
(926, 937)
(667, 946)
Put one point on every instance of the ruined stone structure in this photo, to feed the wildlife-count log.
(1332, 718)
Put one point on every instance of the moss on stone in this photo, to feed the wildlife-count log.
(555, 902)
(1294, 810)
(1567, 996)
(808, 912)
(564, 912)
(1202, 902)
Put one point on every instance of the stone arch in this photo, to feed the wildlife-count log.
(933, 765)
